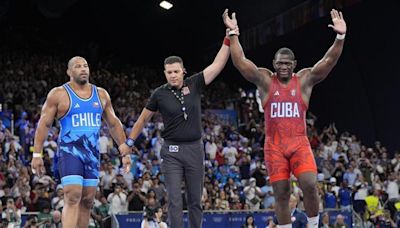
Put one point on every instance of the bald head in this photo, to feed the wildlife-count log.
(78, 70)
(72, 61)
(56, 216)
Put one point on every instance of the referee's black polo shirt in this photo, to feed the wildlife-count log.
(176, 128)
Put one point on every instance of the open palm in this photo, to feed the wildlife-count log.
(339, 25)
(230, 23)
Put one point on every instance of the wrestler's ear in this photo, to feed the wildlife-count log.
(274, 64)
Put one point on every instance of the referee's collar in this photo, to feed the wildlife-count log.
(170, 87)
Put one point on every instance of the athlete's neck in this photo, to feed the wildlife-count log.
(285, 80)
(77, 86)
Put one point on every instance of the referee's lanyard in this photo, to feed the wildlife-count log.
(179, 96)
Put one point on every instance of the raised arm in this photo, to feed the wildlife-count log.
(212, 71)
(246, 67)
(48, 113)
(322, 68)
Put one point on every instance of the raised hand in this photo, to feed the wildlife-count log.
(230, 23)
(339, 25)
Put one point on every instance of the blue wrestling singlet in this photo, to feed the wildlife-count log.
(78, 149)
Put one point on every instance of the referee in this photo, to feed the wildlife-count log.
(182, 153)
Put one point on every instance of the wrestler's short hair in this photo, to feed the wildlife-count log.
(285, 51)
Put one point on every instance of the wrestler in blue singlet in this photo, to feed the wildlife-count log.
(78, 151)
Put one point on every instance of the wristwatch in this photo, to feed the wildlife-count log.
(130, 142)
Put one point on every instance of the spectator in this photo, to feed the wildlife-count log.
(345, 197)
(56, 220)
(44, 216)
(31, 222)
(339, 223)
(330, 198)
(384, 220)
(211, 147)
(270, 223)
(107, 178)
(360, 194)
(153, 218)
(11, 214)
(249, 223)
(324, 223)
(120, 180)
(392, 188)
(39, 197)
(46, 181)
(269, 199)
(335, 188)
(100, 212)
(147, 183)
(57, 203)
(136, 199)
(373, 203)
(339, 170)
(221, 203)
(117, 200)
(350, 176)
(104, 143)
(252, 194)
(50, 146)
(159, 189)
(230, 153)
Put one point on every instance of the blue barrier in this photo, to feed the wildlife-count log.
(227, 219)
(221, 220)
(24, 217)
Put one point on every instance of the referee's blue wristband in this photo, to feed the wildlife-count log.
(130, 142)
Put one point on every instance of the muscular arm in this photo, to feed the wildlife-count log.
(144, 117)
(48, 113)
(212, 71)
(246, 67)
(322, 68)
(113, 123)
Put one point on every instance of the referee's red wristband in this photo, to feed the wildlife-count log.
(227, 41)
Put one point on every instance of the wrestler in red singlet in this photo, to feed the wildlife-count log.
(287, 148)
(286, 96)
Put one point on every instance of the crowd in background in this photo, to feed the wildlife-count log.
(351, 175)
